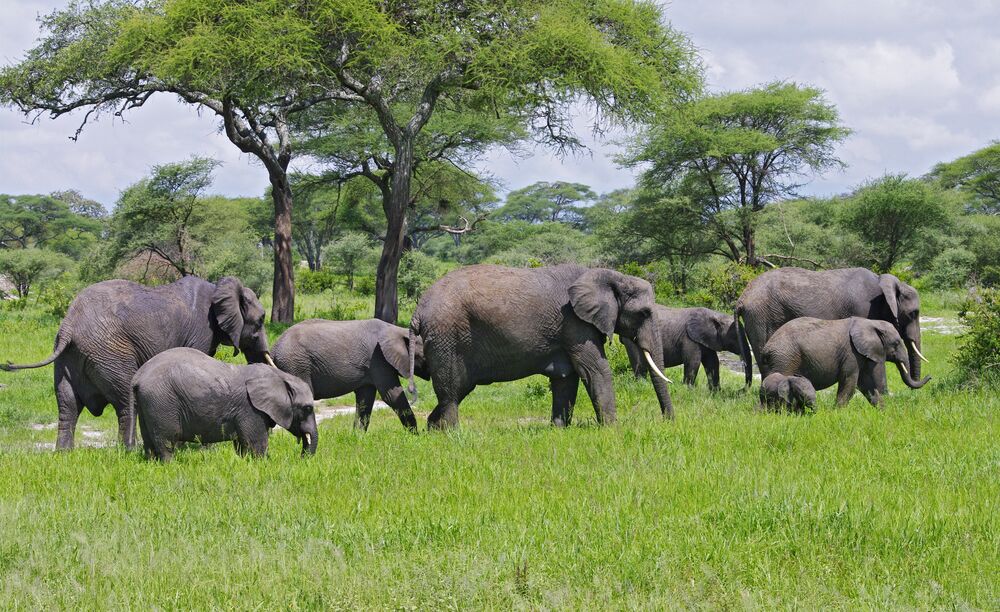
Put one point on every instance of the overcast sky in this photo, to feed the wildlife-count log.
(917, 80)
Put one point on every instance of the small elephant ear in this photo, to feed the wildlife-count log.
(394, 344)
(271, 394)
(226, 310)
(867, 340)
(705, 331)
(593, 300)
(890, 289)
(785, 390)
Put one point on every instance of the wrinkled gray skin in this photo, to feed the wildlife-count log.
(778, 296)
(338, 357)
(850, 353)
(484, 324)
(115, 326)
(691, 337)
(793, 392)
(183, 395)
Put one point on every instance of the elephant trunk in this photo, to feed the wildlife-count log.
(745, 355)
(310, 436)
(651, 344)
(910, 381)
(911, 337)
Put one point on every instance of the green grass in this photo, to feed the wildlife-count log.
(725, 507)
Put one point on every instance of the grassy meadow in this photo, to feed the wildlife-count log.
(724, 508)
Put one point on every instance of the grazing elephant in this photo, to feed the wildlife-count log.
(692, 337)
(338, 357)
(778, 296)
(483, 324)
(183, 395)
(848, 352)
(795, 392)
(115, 326)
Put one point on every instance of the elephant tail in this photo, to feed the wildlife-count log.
(745, 354)
(62, 341)
(412, 350)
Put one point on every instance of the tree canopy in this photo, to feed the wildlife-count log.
(976, 175)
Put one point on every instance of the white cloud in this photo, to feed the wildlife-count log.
(989, 100)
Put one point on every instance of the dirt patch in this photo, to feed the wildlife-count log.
(941, 325)
(326, 409)
(87, 437)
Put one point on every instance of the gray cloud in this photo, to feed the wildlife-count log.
(918, 81)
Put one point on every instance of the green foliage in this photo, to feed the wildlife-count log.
(891, 215)
(542, 202)
(978, 357)
(25, 267)
(951, 269)
(722, 284)
(239, 255)
(976, 175)
(318, 281)
(351, 255)
(417, 272)
(57, 294)
(64, 222)
(544, 244)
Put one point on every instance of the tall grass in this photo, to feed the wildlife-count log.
(725, 507)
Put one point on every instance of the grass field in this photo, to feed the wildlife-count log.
(725, 507)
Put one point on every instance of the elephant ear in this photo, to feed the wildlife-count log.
(271, 394)
(890, 289)
(785, 389)
(705, 331)
(593, 299)
(226, 310)
(394, 344)
(867, 340)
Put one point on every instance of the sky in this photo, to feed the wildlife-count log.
(918, 81)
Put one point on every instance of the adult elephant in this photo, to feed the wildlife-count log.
(338, 357)
(112, 328)
(778, 296)
(484, 324)
(692, 337)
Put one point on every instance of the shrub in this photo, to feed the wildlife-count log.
(722, 285)
(352, 255)
(978, 356)
(318, 281)
(951, 269)
(417, 272)
(26, 267)
(243, 259)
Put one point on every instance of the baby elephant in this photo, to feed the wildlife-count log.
(794, 392)
(850, 353)
(183, 395)
(338, 357)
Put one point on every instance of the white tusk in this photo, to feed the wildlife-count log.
(649, 360)
(903, 368)
(270, 362)
(308, 440)
(913, 345)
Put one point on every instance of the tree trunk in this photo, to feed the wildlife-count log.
(283, 289)
(394, 204)
(748, 243)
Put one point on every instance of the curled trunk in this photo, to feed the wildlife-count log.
(910, 382)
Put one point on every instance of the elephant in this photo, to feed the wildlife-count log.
(184, 395)
(850, 352)
(115, 326)
(778, 296)
(794, 392)
(692, 337)
(338, 357)
(484, 323)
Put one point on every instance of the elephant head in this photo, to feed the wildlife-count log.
(903, 303)
(239, 318)
(879, 341)
(617, 303)
(287, 401)
(793, 391)
(394, 342)
(714, 330)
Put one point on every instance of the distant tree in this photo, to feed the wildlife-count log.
(976, 175)
(547, 202)
(892, 213)
(734, 153)
(79, 204)
(25, 266)
(48, 222)
(349, 255)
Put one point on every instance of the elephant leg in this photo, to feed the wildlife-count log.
(449, 395)
(692, 361)
(592, 366)
(126, 422)
(710, 360)
(845, 389)
(387, 382)
(564, 392)
(69, 410)
(873, 384)
(364, 399)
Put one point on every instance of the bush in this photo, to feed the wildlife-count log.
(417, 272)
(722, 285)
(318, 281)
(243, 259)
(26, 267)
(354, 256)
(978, 356)
(952, 268)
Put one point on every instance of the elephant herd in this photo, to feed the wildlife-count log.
(147, 351)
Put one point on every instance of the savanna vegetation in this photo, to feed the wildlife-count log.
(394, 105)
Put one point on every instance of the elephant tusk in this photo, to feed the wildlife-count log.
(903, 368)
(308, 440)
(913, 345)
(270, 362)
(652, 365)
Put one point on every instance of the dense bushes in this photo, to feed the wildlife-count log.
(978, 357)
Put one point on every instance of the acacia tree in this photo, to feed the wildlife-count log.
(977, 175)
(734, 153)
(543, 201)
(112, 56)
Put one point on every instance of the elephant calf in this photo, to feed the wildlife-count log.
(795, 392)
(338, 357)
(848, 352)
(183, 395)
(692, 337)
